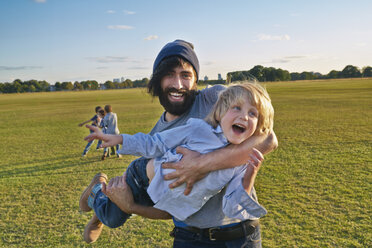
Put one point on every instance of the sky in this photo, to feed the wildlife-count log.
(76, 40)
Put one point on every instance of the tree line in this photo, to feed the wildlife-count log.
(262, 74)
(271, 74)
(19, 86)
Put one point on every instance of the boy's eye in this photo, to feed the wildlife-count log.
(236, 108)
(253, 114)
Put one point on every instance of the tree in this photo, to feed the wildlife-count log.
(334, 74)
(258, 72)
(367, 71)
(109, 85)
(78, 86)
(67, 86)
(58, 86)
(351, 72)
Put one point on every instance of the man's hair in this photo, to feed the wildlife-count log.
(108, 108)
(167, 65)
(98, 108)
(237, 94)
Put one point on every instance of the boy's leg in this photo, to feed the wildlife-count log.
(106, 211)
(97, 179)
(99, 143)
(112, 150)
(87, 147)
(117, 149)
(105, 153)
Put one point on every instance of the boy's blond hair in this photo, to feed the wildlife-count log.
(236, 94)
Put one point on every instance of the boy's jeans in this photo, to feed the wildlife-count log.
(87, 147)
(110, 214)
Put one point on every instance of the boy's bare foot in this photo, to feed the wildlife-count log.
(93, 230)
(83, 203)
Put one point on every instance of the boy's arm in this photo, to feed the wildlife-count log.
(194, 166)
(120, 193)
(239, 201)
(85, 122)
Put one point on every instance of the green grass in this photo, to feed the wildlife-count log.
(316, 185)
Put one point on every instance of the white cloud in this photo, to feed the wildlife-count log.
(128, 12)
(287, 59)
(152, 37)
(40, 1)
(109, 59)
(110, 11)
(273, 37)
(18, 68)
(120, 27)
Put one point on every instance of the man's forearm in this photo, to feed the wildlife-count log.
(150, 212)
(235, 155)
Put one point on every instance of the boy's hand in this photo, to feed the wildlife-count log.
(97, 134)
(108, 139)
(254, 165)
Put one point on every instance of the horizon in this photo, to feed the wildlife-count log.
(94, 40)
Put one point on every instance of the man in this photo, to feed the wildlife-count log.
(174, 81)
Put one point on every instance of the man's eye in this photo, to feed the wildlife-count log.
(187, 76)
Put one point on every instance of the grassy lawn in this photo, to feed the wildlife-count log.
(316, 186)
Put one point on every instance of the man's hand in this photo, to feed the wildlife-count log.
(188, 169)
(109, 140)
(120, 193)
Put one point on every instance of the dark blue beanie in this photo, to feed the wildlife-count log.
(179, 48)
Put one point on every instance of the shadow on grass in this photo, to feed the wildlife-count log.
(45, 166)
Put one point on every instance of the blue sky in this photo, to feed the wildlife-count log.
(69, 40)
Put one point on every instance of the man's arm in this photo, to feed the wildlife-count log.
(194, 166)
(120, 193)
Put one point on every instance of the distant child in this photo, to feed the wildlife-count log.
(240, 112)
(110, 122)
(95, 120)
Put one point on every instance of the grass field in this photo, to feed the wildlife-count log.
(316, 186)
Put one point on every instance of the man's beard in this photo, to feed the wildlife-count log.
(177, 108)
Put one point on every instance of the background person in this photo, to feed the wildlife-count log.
(95, 120)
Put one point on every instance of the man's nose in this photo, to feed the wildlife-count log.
(177, 83)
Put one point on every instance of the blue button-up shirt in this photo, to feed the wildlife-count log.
(199, 136)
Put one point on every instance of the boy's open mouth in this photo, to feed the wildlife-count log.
(238, 128)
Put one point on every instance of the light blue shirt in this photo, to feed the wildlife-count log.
(110, 121)
(199, 136)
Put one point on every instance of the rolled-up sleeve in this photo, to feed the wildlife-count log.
(237, 203)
